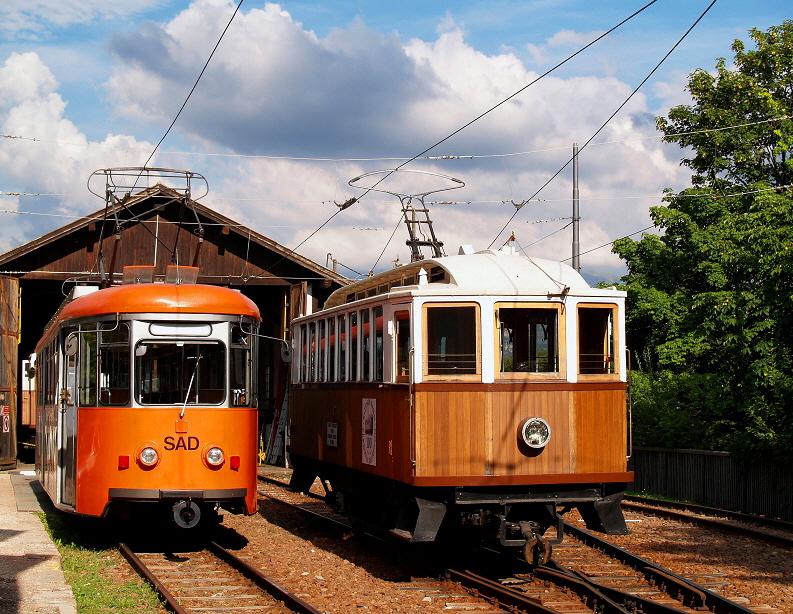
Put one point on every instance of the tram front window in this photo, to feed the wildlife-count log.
(452, 341)
(174, 373)
(528, 340)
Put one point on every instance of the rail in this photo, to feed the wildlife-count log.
(173, 604)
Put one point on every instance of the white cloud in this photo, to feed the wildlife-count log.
(278, 89)
(32, 18)
(673, 92)
(52, 156)
(558, 46)
(23, 78)
(571, 38)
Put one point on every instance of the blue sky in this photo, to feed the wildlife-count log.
(92, 84)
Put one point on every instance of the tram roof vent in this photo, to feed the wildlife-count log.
(139, 274)
(507, 250)
(175, 274)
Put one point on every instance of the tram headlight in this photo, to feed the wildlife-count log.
(535, 432)
(148, 456)
(214, 456)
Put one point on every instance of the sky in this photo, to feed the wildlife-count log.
(300, 98)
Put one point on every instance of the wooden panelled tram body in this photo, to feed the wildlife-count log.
(422, 398)
(146, 397)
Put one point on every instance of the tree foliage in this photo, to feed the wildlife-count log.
(711, 299)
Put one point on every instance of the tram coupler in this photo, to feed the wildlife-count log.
(186, 514)
(537, 550)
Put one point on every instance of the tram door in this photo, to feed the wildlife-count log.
(67, 423)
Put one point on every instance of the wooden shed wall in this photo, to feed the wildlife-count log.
(9, 336)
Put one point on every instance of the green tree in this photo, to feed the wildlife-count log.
(711, 299)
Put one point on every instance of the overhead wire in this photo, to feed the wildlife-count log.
(462, 127)
(195, 85)
(589, 140)
(667, 195)
(391, 238)
(594, 249)
(100, 254)
(388, 158)
(508, 98)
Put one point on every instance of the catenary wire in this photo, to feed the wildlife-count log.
(390, 158)
(195, 85)
(589, 140)
(480, 116)
(100, 254)
(510, 97)
(391, 238)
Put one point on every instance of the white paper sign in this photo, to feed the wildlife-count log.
(333, 434)
(369, 432)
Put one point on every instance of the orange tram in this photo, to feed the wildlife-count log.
(146, 396)
(482, 395)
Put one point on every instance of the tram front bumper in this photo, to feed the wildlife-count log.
(153, 494)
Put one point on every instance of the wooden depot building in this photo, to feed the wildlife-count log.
(158, 226)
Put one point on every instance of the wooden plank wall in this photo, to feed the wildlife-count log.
(9, 338)
(470, 432)
(602, 430)
(311, 409)
(475, 433)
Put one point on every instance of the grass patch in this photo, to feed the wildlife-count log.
(100, 578)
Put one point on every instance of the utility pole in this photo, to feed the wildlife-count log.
(576, 217)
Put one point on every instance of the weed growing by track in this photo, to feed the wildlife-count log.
(99, 576)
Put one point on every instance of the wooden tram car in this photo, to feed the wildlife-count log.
(146, 394)
(484, 392)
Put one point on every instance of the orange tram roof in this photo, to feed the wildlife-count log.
(161, 298)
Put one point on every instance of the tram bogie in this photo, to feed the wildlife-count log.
(481, 392)
(146, 399)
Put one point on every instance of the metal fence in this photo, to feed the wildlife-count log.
(757, 486)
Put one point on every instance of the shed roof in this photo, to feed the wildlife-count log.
(150, 223)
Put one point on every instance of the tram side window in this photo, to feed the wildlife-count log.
(402, 346)
(303, 353)
(322, 348)
(51, 391)
(87, 369)
(596, 341)
(240, 382)
(342, 348)
(332, 349)
(366, 345)
(452, 340)
(528, 340)
(174, 373)
(378, 344)
(353, 374)
(46, 369)
(311, 374)
(114, 364)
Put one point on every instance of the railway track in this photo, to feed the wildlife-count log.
(586, 575)
(212, 580)
(773, 531)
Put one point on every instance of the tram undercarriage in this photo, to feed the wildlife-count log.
(506, 517)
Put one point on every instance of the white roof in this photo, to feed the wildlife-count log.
(501, 273)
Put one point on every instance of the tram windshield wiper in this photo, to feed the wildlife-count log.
(192, 379)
